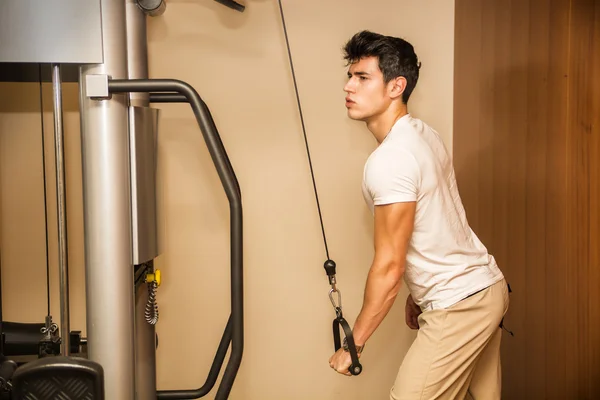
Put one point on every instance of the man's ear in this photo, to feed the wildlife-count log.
(397, 87)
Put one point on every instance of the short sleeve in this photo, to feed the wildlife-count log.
(392, 176)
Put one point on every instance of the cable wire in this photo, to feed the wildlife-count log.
(303, 128)
(45, 193)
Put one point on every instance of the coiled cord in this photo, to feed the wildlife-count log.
(151, 312)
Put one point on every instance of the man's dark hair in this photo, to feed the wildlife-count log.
(396, 57)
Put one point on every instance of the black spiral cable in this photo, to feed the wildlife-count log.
(151, 312)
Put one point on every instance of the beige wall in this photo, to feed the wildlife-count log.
(22, 228)
(238, 63)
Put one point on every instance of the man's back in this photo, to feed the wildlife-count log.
(446, 261)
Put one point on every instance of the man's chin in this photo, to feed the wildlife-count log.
(354, 116)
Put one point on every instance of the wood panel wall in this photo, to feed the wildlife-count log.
(527, 157)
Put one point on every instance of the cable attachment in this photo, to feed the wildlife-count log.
(348, 344)
(50, 328)
(51, 341)
(151, 312)
(330, 270)
(340, 322)
(336, 306)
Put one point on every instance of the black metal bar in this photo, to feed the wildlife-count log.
(232, 189)
(167, 98)
(179, 98)
(213, 374)
(232, 4)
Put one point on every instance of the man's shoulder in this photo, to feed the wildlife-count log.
(391, 161)
(390, 150)
(398, 147)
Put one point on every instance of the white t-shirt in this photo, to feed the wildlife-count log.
(446, 261)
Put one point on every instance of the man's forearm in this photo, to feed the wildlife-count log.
(383, 285)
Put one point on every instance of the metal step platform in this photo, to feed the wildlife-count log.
(59, 378)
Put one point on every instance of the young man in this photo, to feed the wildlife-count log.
(458, 295)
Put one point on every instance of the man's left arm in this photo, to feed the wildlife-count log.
(393, 229)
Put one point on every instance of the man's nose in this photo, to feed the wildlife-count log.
(349, 86)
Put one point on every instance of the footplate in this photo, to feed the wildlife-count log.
(59, 378)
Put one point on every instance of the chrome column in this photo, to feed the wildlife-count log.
(107, 213)
(143, 196)
(137, 50)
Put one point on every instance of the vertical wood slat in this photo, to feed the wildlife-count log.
(468, 60)
(516, 190)
(501, 120)
(579, 130)
(502, 74)
(555, 310)
(529, 174)
(536, 148)
(593, 390)
(485, 165)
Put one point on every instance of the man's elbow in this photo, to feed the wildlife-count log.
(394, 274)
(396, 269)
(392, 269)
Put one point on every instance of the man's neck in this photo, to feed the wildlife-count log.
(381, 125)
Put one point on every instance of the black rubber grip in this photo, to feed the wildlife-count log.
(355, 368)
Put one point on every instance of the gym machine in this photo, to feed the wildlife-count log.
(101, 45)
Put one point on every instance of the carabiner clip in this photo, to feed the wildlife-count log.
(337, 307)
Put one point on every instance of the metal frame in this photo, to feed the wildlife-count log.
(174, 90)
(105, 159)
(143, 208)
(111, 84)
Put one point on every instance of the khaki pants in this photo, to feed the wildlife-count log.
(457, 351)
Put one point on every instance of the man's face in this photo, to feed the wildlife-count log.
(366, 92)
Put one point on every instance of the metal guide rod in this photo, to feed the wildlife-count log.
(61, 210)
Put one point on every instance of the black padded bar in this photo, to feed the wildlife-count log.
(167, 98)
(21, 339)
(232, 189)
